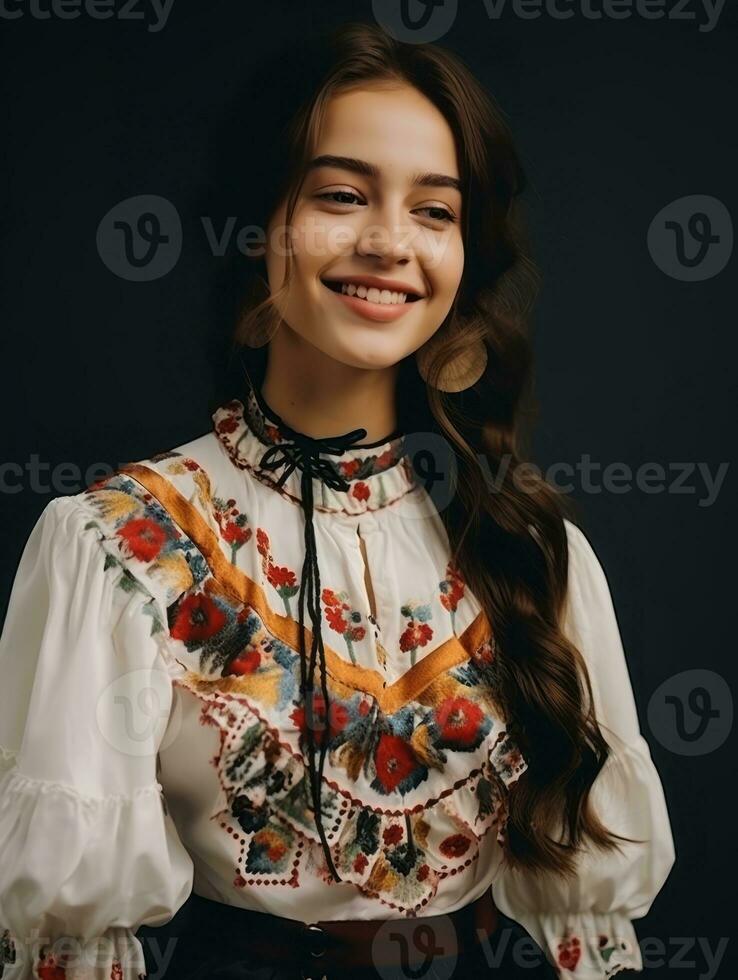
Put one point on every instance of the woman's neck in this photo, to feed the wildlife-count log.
(321, 397)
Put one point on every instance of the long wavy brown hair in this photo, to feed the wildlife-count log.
(510, 543)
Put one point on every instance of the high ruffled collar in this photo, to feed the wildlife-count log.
(378, 473)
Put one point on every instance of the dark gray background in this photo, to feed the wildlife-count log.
(614, 120)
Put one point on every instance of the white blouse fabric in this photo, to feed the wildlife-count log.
(151, 731)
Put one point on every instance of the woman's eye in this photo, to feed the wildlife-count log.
(444, 214)
(335, 194)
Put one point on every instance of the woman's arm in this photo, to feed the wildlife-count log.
(88, 851)
(585, 924)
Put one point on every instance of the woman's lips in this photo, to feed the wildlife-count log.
(379, 312)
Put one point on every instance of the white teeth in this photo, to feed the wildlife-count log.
(373, 295)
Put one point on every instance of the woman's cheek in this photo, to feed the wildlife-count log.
(319, 236)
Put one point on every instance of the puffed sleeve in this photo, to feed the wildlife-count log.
(585, 924)
(89, 852)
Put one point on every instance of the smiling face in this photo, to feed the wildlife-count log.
(377, 250)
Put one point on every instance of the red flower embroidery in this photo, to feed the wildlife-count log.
(394, 760)
(392, 834)
(423, 872)
(234, 534)
(336, 620)
(191, 465)
(361, 491)
(360, 862)
(198, 618)
(349, 467)
(144, 537)
(569, 953)
(232, 524)
(458, 720)
(416, 635)
(262, 542)
(228, 424)
(280, 576)
(342, 619)
(245, 663)
(49, 969)
(455, 846)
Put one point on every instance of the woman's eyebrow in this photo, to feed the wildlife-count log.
(370, 170)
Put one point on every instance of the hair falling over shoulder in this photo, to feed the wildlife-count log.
(510, 543)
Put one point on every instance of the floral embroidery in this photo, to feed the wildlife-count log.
(614, 955)
(395, 752)
(569, 952)
(445, 752)
(397, 767)
(269, 851)
(455, 845)
(338, 718)
(361, 491)
(452, 591)
(53, 967)
(343, 619)
(139, 531)
(282, 579)
(232, 524)
(265, 782)
(375, 479)
(418, 633)
(460, 723)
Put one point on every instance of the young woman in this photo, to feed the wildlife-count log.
(333, 666)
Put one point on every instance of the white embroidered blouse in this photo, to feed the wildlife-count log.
(151, 738)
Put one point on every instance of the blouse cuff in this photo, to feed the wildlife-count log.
(591, 945)
(117, 954)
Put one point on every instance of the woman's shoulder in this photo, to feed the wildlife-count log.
(146, 516)
(186, 471)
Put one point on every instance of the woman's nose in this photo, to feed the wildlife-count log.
(386, 236)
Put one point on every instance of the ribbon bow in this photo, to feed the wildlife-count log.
(303, 452)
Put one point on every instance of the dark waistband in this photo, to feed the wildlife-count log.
(205, 929)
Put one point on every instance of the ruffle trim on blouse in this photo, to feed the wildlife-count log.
(17, 782)
(376, 476)
(39, 818)
(265, 805)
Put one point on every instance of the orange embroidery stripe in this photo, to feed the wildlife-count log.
(239, 586)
